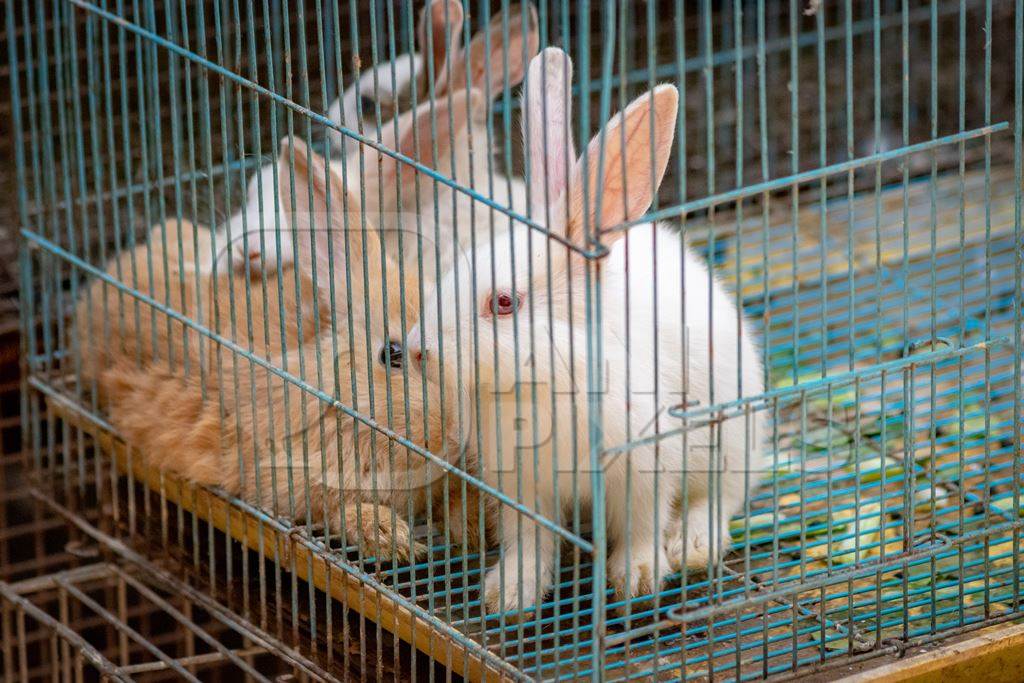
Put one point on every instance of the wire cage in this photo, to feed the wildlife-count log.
(322, 297)
(105, 620)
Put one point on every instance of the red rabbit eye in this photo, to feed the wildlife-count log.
(503, 303)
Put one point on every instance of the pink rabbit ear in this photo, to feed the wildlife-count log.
(329, 225)
(315, 183)
(485, 59)
(547, 127)
(442, 20)
(438, 126)
(311, 195)
(637, 143)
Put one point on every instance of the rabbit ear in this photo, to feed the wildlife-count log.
(332, 235)
(485, 58)
(437, 127)
(547, 127)
(442, 20)
(637, 143)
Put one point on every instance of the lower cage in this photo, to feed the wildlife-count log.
(108, 621)
(77, 604)
(892, 516)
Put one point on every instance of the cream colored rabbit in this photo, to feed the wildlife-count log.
(242, 426)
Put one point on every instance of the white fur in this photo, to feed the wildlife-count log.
(434, 224)
(653, 359)
(431, 224)
(241, 234)
(388, 85)
(384, 84)
(239, 239)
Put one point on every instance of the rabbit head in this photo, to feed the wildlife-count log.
(338, 244)
(435, 133)
(257, 238)
(521, 298)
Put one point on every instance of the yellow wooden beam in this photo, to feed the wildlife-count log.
(994, 655)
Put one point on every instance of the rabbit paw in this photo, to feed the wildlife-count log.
(695, 549)
(640, 571)
(385, 539)
(503, 592)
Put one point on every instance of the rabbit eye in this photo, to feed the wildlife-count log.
(503, 303)
(368, 104)
(391, 355)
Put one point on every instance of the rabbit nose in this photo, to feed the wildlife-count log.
(414, 345)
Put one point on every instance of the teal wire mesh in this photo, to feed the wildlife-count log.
(890, 512)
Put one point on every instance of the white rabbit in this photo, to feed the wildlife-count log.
(452, 124)
(520, 339)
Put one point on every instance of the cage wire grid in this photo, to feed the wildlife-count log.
(852, 173)
(102, 576)
(75, 602)
(114, 621)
